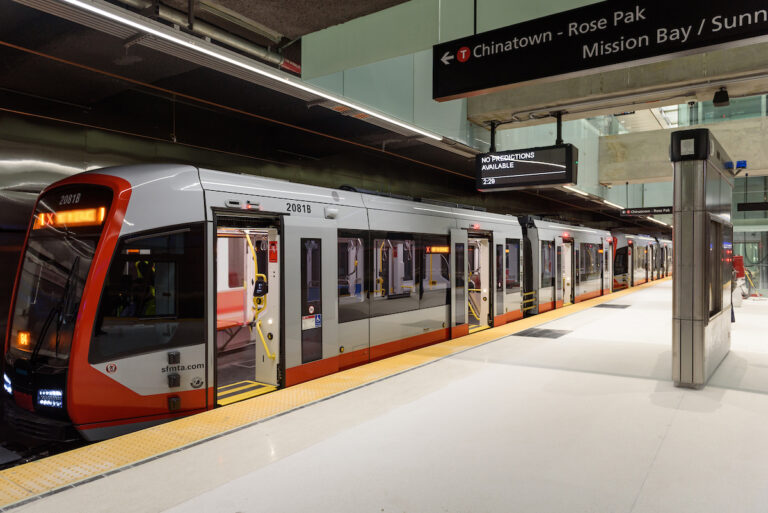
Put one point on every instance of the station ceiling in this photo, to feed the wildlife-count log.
(290, 18)
(68, 73)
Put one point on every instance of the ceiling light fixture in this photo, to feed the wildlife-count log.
(657, 221)
(614, 205)
(577, 191)
(107, 12)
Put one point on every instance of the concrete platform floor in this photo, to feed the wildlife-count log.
(587, 422)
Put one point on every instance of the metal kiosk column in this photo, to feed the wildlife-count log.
(703, 249)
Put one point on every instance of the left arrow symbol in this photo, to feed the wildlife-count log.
(446, 58)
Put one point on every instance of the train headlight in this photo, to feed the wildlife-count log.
(50, 398)
(7, 384)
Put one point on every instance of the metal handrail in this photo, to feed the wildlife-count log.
(531, 300)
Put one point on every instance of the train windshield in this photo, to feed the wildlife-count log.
(65, 230)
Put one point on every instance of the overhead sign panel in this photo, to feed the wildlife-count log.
(645, 211)
(592, 38)
(533, 167)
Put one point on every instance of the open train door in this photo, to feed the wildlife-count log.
(248, 306)
(459, 322)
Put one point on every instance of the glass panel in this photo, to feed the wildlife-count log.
(394, 268)
(714, 268)
(589, 262)
(512, 269)
(547, 264)
(639, 255)
(153, 296)
(435, 274)
(311, 301)
(460, 284)
(499, 279)
(236, 261)
(352, 287)
(55, 267)
(620, 262)
(727, 273)
(499, 267)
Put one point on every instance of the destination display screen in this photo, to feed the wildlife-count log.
(75, 217)
(533, 167)
(73, 206)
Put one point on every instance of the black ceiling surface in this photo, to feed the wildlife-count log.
(296, 18)
(234, 116)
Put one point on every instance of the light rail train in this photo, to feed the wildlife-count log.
(640, 259)
(150, 292)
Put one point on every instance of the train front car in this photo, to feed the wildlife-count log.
(108, 294)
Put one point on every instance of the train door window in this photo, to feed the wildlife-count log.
(589, 262)
(435, 271)
(547, 264)
(311, 301)
(639, 263)
(499, 279)
(352, 287)
(567, 278)
(460, 284)
(620, 263)
(394, 267)
(512, 269)
(153, 295)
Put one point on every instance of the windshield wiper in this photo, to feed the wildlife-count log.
(66, 302)
(56, 310)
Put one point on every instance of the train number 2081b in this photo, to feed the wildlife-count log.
(298, 207)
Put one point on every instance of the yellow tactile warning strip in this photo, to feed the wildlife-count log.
(241, 390)
(28, 482)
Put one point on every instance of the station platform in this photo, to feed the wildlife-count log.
(568, 411)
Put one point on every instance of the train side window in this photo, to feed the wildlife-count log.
(352, 287)
(394, 268)
(153, 295)
(547, 264)
(435, 271)
(512, 273)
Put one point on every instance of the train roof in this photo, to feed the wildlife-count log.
(549, 225)
(240, 183)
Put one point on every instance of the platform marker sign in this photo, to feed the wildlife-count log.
(531, 167)
(597, 37)
(645, 211)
